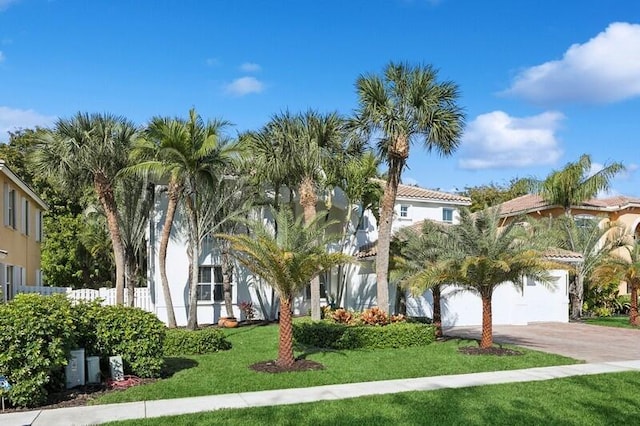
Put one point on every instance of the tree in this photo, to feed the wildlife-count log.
(623, 265)
(595, 242)
(90, 150)
(287, 260)
(424, 262)
(487, 256)
(406, 104)
(576, 183)
(483, 196)
(192, 153)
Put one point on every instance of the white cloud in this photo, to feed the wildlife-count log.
(6, 3)
(497, 140)
(212, 62)
(12, 119)
(250, 67)
(244, 86)
(602, 70)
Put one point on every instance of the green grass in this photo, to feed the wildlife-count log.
(229, 372)
(606, 399)
(622, 322)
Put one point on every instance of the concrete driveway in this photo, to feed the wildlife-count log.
(590, 343)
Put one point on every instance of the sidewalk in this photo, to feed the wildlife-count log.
(97, 414)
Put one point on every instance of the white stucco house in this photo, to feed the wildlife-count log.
(352, 286)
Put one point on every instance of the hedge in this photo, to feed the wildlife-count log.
(324, 334)
(186, 342)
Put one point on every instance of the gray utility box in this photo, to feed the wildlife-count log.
(74, 371)
(117, 367)
(93, 369)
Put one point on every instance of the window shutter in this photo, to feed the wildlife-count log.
(38, 224)
(5, 200)
(23, 215)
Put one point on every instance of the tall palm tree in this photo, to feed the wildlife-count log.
(403, 106)
(287, 260)
(576, 183)
(192, 153)
(623, 265)
(487, 256)
(90, 149)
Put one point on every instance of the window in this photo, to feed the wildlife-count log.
(584, 220)
(363, 224)
(11, 209)
(25, 216)
(323, 288)
(210, 283)
(404, 211)
(39, 233)
(531, 282)
(8, 292)
(447, 215)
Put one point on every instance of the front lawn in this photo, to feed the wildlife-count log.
(622, 321)
(229, 372)
(583, 400)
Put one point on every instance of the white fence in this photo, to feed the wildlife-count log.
(141, 298)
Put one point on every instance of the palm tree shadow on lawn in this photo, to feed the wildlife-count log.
(497, 349)
(172, 365)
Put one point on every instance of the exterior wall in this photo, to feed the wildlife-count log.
(21, 240)
(510, 305)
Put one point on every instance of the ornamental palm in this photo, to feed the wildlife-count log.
(90, 150)
(192, 154)
(575, 184)
(287, 260)
(403, 106)
(487, 256)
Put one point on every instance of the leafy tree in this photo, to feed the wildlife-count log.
(90, 150)
(287, 260)
(483, 196)
(404, 105)
(576, 183)
(487, 256)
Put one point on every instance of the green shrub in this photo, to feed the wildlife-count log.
(35, 339)
(187, 342)
(136, 335)
(340, 336)
(602, 312)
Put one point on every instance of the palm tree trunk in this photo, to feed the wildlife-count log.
(633, 312)
(173, 195)
(308, 201)
(194, 252)
(130, 274)
(487, 322)
(577, 297)
(285, 344)
(107, 200)
(227, 273)
(437, 310)
(384, 232)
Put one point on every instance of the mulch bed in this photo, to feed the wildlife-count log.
(496, 351)
(298, 365)
(76, 397)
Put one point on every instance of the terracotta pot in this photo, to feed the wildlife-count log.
(227, 322)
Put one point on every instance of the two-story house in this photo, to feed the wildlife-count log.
(20, 235)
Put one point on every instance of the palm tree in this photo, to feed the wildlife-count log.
(406, 104)
(487, 256)
(575, 183)
(90, 150)
(595, 242)
(424, 263)
(287, 260)
(623, 265)
(191, 153)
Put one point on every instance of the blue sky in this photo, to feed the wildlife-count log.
(542, 81)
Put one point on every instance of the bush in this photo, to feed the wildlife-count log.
(37, 334)
(602, 312)
(342, 316)
(187, 342)
(131, 332)
(340, 336)
(374, 316)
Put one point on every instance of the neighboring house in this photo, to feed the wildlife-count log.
(621, 209)
(21, 235)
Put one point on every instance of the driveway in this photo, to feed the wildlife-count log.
(590, 343)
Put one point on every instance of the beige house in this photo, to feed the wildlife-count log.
(20, 235)
(622, 209)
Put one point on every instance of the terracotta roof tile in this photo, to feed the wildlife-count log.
(410, 191)
(532, 202)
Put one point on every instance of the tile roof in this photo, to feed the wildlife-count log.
(410, 191)
(532, 202)
(563, 255)
(367, 250)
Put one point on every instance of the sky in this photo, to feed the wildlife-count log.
(541, 81)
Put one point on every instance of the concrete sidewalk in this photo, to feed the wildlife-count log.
(97, 414)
